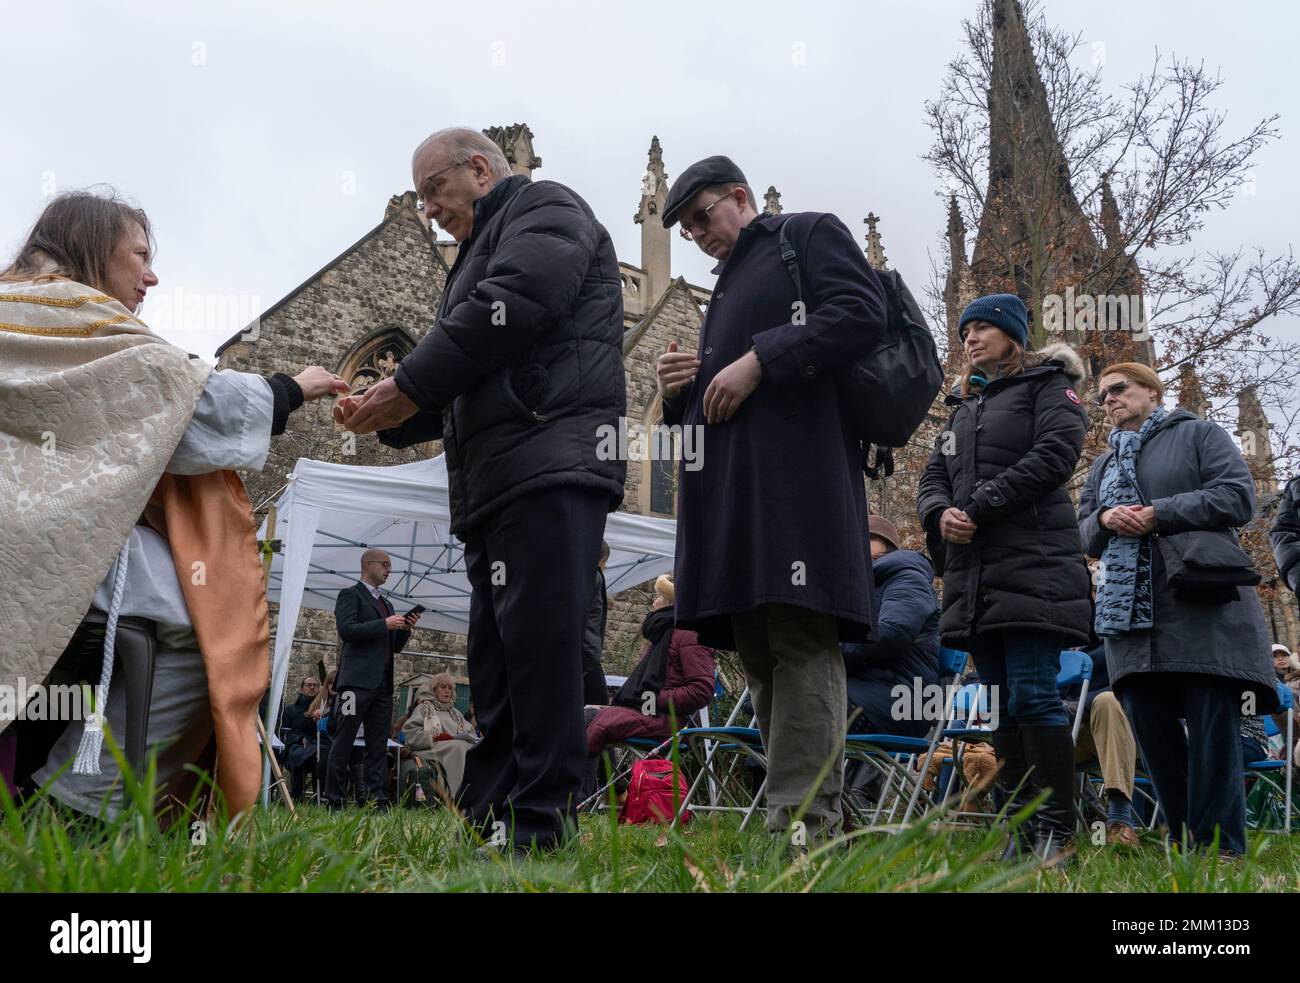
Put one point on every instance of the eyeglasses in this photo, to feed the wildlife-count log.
(432, 185)
(382, 563)
(700, 220)
(1118, 389)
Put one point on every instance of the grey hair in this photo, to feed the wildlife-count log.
(462, 143)
(442, 677)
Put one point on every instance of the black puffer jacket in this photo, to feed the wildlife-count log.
(524, 364)
(1011, 450)
(1285, 536)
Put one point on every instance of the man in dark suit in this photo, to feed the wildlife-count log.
(372, 634)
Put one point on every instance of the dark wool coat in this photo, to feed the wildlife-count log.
(1195, 477)
(1004, 459)
(777, 512)
(524, 364)
(1285, 536)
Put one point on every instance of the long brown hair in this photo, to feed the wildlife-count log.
(75, 238)
(1012, 365)
(323, 696)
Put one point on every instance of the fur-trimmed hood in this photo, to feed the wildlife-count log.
(1059, 351)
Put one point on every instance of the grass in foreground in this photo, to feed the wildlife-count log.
(44, 847)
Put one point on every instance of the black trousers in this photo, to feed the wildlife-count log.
(374, 708)
(1197, 774)
(532, 568)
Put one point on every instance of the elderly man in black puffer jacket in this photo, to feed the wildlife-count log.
(521, 376)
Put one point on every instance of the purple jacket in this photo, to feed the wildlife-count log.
(688, 687)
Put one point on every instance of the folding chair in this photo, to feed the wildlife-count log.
(970, 706)
(1075, 669)
(899, 759)
(1266, 771)
(718, 756)
(627, 753)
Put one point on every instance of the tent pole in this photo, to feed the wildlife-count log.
(271, 764)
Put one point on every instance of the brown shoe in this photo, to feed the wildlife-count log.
(1122, 835)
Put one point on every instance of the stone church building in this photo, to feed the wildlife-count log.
(364, 310)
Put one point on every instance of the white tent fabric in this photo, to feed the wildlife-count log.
(329, 513)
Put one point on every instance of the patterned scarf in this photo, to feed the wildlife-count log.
(1124, 594)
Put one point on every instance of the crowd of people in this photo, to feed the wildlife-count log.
(776, 557)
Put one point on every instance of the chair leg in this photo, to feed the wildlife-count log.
(137, 654)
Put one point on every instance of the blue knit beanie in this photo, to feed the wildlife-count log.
(1004, 311)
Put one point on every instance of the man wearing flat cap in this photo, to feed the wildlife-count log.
(772, 558)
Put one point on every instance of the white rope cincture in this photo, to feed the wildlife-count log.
(92, 738)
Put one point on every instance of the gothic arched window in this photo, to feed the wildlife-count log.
(375, 358)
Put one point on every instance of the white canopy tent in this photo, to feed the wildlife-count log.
(329, 513)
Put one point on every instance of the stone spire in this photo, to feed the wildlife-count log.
(516, 142)
(1034, 238)
(959, 288)
(1252, 430)
(656, 241)
(1191, 396)
(772, 201)
(875, 251)
(1110, 217)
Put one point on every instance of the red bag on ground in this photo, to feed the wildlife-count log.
(650, 796)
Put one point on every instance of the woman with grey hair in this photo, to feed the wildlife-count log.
(439, 737)
(1184, 632)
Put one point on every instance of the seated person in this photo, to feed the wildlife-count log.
(1106, 737)
(673, 680)
(298, 731)
(438, 737)
(905, 651)
(148, 443)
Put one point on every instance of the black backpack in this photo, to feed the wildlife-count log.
(886, 393)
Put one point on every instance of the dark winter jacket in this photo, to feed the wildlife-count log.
(1285, 536)
(1195, 477)
(524, 364)
(777, 512)
(1004, 459)
(297, 726)
(688, 687)
(906, 645)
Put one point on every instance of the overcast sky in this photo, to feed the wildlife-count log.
(265, 138)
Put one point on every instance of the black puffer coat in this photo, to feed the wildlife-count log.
(524, 364)
(1011, 450)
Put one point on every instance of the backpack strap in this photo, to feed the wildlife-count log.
(791, 260)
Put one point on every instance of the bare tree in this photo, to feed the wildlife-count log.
(1074, 186)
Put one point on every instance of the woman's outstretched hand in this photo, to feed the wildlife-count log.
(316, 382)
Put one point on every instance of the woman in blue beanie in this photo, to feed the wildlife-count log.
(1015, 585)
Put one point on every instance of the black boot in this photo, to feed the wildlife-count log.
(1008, 746)
(1049, 753)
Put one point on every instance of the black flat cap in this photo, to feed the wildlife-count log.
(701, 174)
